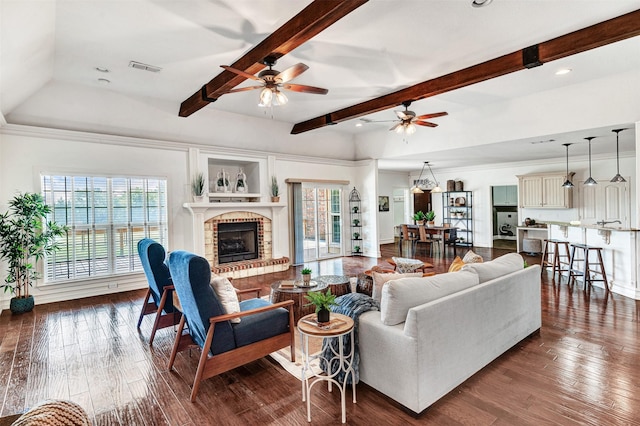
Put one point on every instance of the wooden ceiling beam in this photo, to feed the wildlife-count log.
(313, 19)
(601, 34)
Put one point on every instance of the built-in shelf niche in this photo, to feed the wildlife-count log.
(250, 168)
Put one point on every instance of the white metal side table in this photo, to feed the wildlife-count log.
(338, 326)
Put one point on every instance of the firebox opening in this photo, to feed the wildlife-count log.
(237, 241)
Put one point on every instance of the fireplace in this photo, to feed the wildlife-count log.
(237, 241)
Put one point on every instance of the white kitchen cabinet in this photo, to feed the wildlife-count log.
(605, 201)
(542, 191)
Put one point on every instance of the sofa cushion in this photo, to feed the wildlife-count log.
(379, 279)
(227, 295)
(471, 257)
(456, 265)
(503, 265)
(398, 296)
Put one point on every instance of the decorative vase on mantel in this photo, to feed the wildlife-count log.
(222, 182)
(241, 182)
(323, 316)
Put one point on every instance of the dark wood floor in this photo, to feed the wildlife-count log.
(583, 368)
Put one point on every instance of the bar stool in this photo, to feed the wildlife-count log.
(557, 259)
(586, 271)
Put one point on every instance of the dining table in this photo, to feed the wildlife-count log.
(442, 233)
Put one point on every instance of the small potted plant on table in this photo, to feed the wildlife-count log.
(322, 302)
(306, 276)
(429, 217)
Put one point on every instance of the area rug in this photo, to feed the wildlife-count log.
(283, 358)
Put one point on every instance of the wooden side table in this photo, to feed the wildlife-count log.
(339, 325)
(296, 294)
(339, 284)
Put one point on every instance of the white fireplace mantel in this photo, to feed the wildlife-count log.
(201, 212)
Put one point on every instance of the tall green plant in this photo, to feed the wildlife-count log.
(197, 184)
(275, 188)
(24, 240)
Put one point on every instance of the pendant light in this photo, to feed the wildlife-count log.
(618, 178)
(567, 183)
(416, 189)
(590, 181)
(437, 187)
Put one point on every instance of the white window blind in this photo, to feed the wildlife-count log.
(106, 217)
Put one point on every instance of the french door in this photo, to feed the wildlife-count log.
(321, 222)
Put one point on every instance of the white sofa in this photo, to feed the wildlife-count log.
(455, 324)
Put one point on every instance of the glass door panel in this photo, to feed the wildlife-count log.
(322, 222)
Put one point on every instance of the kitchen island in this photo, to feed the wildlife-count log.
(620, 250)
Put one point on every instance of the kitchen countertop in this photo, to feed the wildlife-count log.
(608, 227)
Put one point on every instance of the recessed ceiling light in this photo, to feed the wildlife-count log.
(563, 71)
(104, 81)
(358, 124)
(480, 3)
(102, 69)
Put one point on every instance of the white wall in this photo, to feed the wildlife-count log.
(387, 183)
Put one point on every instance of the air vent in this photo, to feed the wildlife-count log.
(144, 67)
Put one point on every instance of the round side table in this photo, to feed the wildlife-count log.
(339, 284)
(279, 294)
(338, 326)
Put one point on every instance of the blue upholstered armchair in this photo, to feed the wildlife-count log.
(159, 298)
(264, 327)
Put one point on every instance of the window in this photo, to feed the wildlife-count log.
(106, 217)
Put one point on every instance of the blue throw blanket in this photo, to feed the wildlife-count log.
(352, 305)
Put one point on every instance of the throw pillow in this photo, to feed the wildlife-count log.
(380, 279)
(471, 257)
(227, 295)
(456, 265)
(498, 267)
(398, 296)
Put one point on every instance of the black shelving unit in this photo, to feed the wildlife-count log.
(457, 209)
(355, 216)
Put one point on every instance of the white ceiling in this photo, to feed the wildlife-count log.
(380, 47)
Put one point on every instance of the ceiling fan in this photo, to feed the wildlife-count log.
(274, 80)
(407, 120)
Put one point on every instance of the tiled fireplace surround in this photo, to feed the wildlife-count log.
(264, 264)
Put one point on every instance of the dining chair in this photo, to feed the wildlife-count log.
(425, 239)
(407, 236)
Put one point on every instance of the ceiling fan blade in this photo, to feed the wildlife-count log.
(433, 115)
(425, 123)
(395, 127)
(241, 73)
(242, 89)
(366, 120)
(305, 89)
(291, 72)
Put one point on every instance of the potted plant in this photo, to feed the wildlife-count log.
(23, 241)
(197, 187)
(306, 276)
(356, 249)
(356, 235)
(355, 209)
(275, 190)
(429, 217)
(356, 222)
(322, 302)
(419, 217)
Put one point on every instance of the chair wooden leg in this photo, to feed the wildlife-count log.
(159, 315)
(176, 343)
(203, 362)
(144, 307)
(292, 330)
